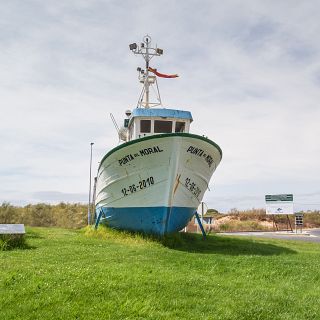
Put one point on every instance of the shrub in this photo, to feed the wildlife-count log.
(11, 241)
(45, 215)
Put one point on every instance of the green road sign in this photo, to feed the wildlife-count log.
(279, 197)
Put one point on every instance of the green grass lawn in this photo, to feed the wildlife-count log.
(66, 274)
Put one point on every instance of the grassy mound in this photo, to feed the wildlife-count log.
(189, 242)
(173, 240)
(107, 274)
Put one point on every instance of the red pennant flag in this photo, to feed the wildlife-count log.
(162, 75)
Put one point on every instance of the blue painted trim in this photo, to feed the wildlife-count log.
(156, 220)
(164, 113)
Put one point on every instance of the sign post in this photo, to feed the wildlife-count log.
(298, 221)
(280, 204)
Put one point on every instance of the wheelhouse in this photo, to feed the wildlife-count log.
(146, 122)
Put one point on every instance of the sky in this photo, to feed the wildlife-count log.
(249, 73)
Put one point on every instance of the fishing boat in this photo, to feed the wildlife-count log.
(156, 178)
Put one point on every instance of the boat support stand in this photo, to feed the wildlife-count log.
(101, 213)
(200, 224)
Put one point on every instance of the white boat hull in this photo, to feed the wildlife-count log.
(154, 184)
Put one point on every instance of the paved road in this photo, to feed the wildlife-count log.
(312, 235)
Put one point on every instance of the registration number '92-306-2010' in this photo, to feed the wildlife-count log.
(142, 184)
(191, 186)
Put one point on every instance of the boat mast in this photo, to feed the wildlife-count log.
(147, 53)
(147, 58)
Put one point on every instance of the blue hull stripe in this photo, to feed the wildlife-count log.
(157, 220)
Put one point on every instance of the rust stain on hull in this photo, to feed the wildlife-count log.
(176, 184)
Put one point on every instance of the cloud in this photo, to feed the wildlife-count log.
(249, 73)
(55, 196)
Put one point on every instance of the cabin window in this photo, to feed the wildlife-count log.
(145, 126)
(162, 126)
(180, 126)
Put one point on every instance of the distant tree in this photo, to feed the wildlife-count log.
(213, 211)
(7, 212)
(233, 211)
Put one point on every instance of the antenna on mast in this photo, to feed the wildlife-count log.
(148, 81)
(114, 122)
